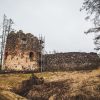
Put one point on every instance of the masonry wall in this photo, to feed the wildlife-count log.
(70, 61)
(22, 52)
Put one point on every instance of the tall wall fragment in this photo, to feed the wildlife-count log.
(22, 52)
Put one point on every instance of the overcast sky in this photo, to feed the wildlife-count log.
(60, 21)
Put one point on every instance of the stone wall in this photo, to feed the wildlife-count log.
(70, 61)
(22, 51)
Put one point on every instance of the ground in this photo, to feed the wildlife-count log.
(56, 84)
(10, 81)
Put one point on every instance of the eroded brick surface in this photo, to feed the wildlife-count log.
(22, 51)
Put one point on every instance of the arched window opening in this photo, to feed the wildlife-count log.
(24, 39)
(31, 55)
(6, 54)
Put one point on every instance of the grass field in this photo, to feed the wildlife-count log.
(79, 82)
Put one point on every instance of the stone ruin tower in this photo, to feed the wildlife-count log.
(22, 52)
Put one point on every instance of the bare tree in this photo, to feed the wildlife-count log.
(92, 7)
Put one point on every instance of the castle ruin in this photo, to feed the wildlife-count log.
(22, 52)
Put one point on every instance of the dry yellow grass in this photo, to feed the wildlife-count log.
(76, 82)
(84, 82)
(9, 81)
(75, 75)
(7, 95)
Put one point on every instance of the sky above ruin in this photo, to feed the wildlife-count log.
(60, 21)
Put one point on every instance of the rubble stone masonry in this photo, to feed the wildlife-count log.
(71, 61)
(22, 51)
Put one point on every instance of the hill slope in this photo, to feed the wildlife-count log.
(72, 85)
